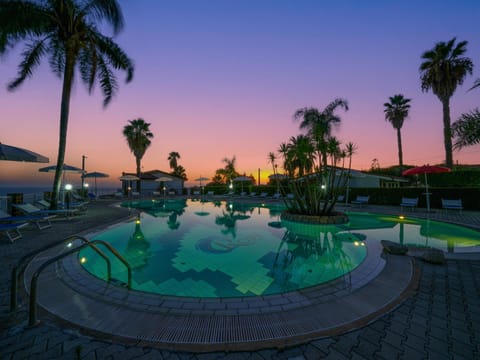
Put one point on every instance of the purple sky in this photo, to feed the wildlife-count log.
(222, 78)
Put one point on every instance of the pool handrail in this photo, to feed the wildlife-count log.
(22, 262)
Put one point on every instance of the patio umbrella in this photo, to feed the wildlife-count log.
(95, 175)
(128, 177)
(242, 179)
(66, 169)
(278, 177)
(426, 169)
(12, 153)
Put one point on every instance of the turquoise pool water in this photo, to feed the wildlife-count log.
(221, 249)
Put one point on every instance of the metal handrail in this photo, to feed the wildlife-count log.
(119, 257)
(24, 260)
(32, 318)
(21, 263)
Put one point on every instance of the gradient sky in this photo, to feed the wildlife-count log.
(217, 78)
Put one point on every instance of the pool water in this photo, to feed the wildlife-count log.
(224, 249)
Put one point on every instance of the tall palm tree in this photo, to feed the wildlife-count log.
(443, 69)
(466, 130)
(138, 135)
(67, 32)
(172, 158)
(396, 111)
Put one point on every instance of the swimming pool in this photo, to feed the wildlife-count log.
(228, 249)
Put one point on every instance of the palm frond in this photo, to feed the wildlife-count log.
(108, 10)
(108, 83)
(115, 55)
(31, 59)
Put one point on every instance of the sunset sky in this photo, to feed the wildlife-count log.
(217, 78)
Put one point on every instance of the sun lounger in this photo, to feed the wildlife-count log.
(409, 203)
(277, 196)
(12, 230)
(41, 221)
(361, 200)
(455, 204)
(30, 209)
(210, 193)
(263, 195)
(45, 205)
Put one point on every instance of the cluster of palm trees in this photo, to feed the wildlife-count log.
(311, 160)
(443, 69)
(67, 32)
(177, 170)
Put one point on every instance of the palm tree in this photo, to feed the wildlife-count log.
(466, 130)
(138, 135)
(179, 171)
(443, 69)
(319, 125)
(301, 154)
(396, 111)
(172, 158)
(229, 170)
(67, 32)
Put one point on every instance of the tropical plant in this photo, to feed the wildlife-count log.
(313, 162)
(228, 172)
(180, 172)
(443, 69)
(466, 130)
(319, 125)
(396, 111)
(67, 32)
(173, 159)
(138, 135)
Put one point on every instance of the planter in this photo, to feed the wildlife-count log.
(333, 219)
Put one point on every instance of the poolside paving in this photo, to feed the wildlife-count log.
(440, 321)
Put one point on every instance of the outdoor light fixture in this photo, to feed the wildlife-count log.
(85, 185)
(69, 245)
(68, 187)
(401, 217)
(83, 260)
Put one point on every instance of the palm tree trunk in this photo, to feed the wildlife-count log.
(138, 162)
(447, 133)
(400, 152)
(64, 112)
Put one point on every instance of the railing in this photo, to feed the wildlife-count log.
(24, 260)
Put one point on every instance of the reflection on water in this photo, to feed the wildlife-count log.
(137, 251)
(229, 218)
(227, 249)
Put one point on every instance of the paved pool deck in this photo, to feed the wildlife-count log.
(439, 318)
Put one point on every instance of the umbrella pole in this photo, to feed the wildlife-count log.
(427, 193)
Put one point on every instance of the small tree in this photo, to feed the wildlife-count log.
(138, 135)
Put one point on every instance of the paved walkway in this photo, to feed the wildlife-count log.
(441, 321)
